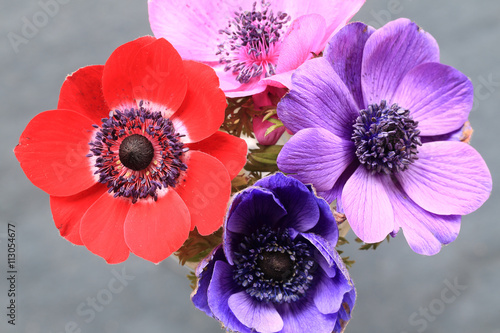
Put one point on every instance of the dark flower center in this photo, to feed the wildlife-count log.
(252, 42)
(137, 152)
(273, 267)
(386, 138)
(276, 266)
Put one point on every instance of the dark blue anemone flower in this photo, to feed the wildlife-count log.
(277, 269)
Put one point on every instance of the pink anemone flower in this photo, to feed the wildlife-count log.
(248, 41)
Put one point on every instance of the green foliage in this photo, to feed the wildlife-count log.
(263, 159)
(372, 246)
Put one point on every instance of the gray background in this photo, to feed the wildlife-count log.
(55, 278)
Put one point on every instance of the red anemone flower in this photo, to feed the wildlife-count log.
(132, 158)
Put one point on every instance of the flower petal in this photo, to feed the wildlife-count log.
(233, 88)
(155, 229)
(204, 272)
(390, 53)
(301, 41)
(102, 228)
(345, 54)
(52, 152)
(318, 98)
(330, 292)
(260, 316)
(260, 128)
(304, 316)
(316, 156)
(205, 189)
(158, 76)
(116, 80)
(202, 112)
(193, 27)
(439, 97)
(303, 212)
(68, 211)
(228, 149)
(82, 92)
(221, 287)
(367, 205)
(448, 178)
(425, 232)
(254, 207)
(327, 226)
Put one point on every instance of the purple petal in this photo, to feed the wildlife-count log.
(325, 248)
(260, 316)
(326, 226)
(330, 292)
(336, 192)
(390, 53)
(316, 156)
(255, 207)
(249, 210)
(345, 53)
(449, 178)
(221, 287)
(425, 232)
(303, 316)
(303, 212)
(318, 99)
(204, 272)
(439, 97)
(367, 205)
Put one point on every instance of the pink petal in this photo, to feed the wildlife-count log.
(155, 229)
(449, 178)
(193, 26)
(390, 53)
(102, 228)
(367, 205)
(302, 39)
(439, 97)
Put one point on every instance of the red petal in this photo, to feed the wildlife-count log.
(205, 190)
(68, 211)
(202, 111)
(229, 149)
(102, 228)
(154, 230)
(116, 80)
(157, 76)
(82, 92)
(52, 152)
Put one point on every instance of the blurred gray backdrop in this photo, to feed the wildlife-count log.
(398, 290)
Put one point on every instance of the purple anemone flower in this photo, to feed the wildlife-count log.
(369, 120)
(277, 269)
(246, 41)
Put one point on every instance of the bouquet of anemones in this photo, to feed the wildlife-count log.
(148, 153)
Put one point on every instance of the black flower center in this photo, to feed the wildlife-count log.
(273, 267)
(136, 152)
(249, 49)
(386, 138)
